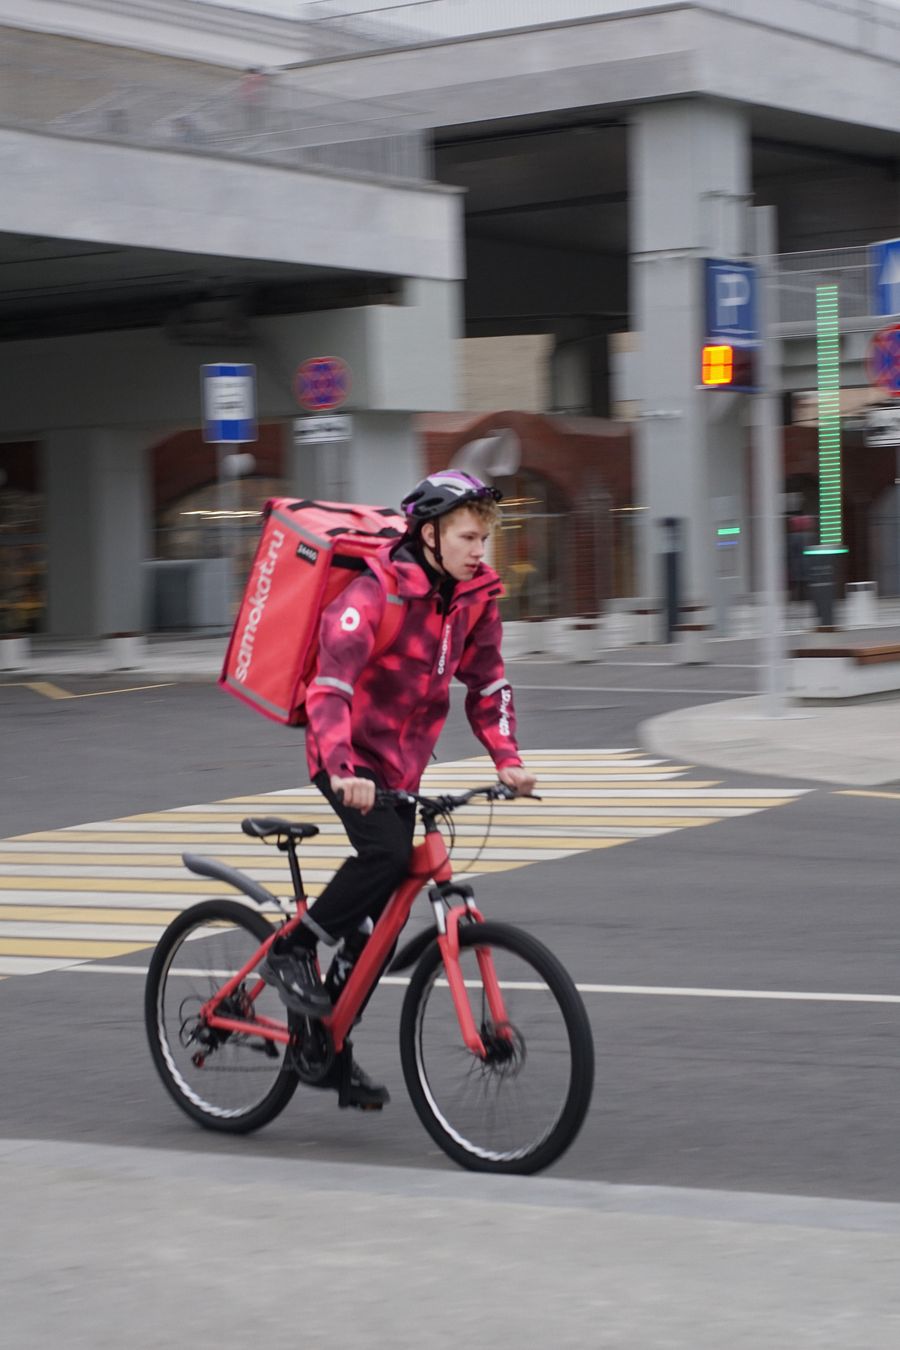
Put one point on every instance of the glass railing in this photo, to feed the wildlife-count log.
(94, 94)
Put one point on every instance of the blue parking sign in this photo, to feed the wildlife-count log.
(730, 300)
(229, 403)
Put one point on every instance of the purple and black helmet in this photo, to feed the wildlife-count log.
(442, 492)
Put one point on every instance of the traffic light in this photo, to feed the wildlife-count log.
(727, 366)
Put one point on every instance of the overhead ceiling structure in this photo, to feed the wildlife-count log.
(52, 287)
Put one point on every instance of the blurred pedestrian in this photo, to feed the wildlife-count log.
(253, 92)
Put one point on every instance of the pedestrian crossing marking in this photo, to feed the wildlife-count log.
(77, 950)
(107, 889)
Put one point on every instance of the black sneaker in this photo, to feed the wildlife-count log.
(294, 975)
(361, 1091)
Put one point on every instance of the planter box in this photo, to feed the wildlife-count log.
(124, 651)
(14, 653)
(581, 639)
(691, 644)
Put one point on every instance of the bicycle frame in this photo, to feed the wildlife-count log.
(428, 860)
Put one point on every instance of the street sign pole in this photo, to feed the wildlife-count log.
(767, 476)
(228, 399)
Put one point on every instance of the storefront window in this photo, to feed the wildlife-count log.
(23, 565)
(212, 523)
(531, 549)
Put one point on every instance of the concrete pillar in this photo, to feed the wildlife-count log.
(378, 465)
(98, 530)
(690, 181)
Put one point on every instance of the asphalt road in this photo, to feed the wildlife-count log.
(756, 1088)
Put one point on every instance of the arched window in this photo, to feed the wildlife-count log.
(214, 522)
(531, 549)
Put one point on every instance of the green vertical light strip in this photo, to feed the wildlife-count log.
(828, 365)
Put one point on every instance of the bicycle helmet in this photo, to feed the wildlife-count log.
(444, 491)
(438, 495)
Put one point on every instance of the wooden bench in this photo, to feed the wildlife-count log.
(842, 672)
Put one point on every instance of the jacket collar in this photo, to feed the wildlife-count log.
(413, 582)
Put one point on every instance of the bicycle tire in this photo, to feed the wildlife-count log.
(572, 1036)
(162, 1014)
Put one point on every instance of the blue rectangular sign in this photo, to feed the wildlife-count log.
(884, 259)
(229, 403)
(730, 301)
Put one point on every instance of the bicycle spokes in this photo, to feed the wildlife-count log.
(503, 1099)
(221, 1071)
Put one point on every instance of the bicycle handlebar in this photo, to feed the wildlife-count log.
(495, 792)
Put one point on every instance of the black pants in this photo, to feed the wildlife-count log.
(363, 885)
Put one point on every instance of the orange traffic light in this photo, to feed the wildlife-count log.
(729, 367)
(718, 364)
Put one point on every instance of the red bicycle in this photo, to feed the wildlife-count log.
(495, 1043)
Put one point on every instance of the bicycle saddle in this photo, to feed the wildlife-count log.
(261, 827)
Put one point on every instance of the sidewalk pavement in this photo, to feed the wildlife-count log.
(153, 1248)
(855, 744)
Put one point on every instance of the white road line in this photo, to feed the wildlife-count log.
(632, 689)
(645, 990)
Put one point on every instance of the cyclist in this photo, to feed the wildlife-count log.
(375, 720)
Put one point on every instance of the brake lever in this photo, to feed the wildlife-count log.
(503, 793)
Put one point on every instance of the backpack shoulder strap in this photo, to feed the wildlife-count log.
(392, 618)
(474, 613)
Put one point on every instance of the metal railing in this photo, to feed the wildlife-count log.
(90, 94)
(798, 276)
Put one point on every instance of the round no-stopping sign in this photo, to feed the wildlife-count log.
(322, 383)
(883, 360)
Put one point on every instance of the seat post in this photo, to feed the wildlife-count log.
(296, 878)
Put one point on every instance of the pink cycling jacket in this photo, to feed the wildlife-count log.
(386, 714)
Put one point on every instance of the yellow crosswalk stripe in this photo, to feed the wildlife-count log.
(106, 888)
(75, 948)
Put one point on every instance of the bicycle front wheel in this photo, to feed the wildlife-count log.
(227, 1081)
(519, 1108)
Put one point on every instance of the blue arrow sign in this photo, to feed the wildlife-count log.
(885, 262)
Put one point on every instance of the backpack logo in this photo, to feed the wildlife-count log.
(308, 553)
(257, 606)
(350, 620)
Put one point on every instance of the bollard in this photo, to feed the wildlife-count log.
(860, 610)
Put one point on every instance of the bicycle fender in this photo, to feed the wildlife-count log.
(209, 867)
(410, 952)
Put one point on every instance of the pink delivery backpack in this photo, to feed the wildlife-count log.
(307, 553)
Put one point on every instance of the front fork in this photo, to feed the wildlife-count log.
(447, 922)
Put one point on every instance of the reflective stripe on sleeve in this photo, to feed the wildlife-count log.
(334, 684)
(492, 688)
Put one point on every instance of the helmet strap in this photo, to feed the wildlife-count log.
(435, 548)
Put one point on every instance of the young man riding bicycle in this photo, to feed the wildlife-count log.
(374, 720)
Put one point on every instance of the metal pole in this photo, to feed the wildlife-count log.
(768, 473)
(223, 531)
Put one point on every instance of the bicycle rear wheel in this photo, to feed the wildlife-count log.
(520, 1108)
(227, 1081)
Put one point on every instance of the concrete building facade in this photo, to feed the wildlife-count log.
(604, 151)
